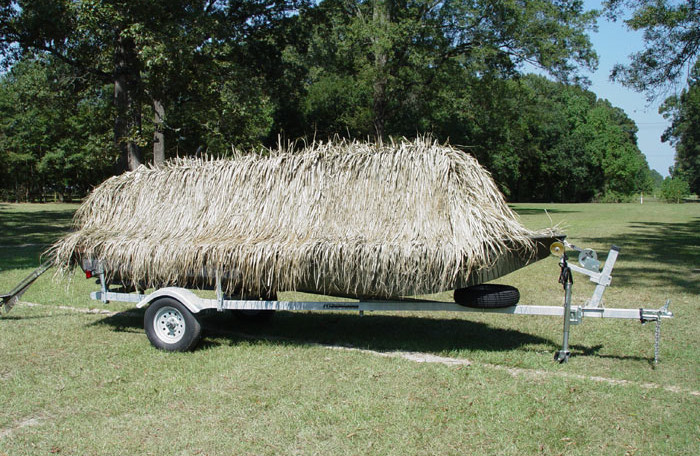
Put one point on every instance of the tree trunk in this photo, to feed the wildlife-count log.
(158, 136)
(127, 82)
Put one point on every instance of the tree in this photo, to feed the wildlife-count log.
(376, 66)
(656, 178)
(569, 145)
(683, 134)
(52, 131)
(150, 51)
(674, 189)
(672, 42)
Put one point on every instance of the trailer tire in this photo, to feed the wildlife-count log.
(487, 296)
(170, 326)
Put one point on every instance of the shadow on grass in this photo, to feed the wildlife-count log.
(581, 350)
(24, 236)
(540, 210)
(36, 227)
(23, 257)
(669, 252)
(375, 332)
(382, 333)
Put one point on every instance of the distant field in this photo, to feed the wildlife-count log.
(74, 382)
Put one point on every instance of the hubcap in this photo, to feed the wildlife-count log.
(169, 324)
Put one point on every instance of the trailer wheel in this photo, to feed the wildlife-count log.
(487, 296)
(171, 326)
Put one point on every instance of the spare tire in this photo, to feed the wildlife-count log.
(487, 296)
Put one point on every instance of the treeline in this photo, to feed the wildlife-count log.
(95, 88)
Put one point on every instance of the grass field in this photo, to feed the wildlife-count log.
(81, 383)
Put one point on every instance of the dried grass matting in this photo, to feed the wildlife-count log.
(344, 218)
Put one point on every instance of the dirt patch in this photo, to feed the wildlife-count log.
(27, 422)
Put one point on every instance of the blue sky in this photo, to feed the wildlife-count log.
(614, 43)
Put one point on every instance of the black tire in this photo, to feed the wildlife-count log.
(487, 296)
(170, 326)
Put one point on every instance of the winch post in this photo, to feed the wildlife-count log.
(602, 279)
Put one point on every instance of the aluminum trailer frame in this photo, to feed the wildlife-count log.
(572, 315)
(197, 304)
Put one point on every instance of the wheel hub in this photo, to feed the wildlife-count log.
(169, 325)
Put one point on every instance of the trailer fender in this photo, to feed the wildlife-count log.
(186, 297)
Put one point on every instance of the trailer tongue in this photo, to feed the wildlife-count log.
(8, 301)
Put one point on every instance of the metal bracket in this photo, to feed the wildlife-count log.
(219, 293)
(602, 279)
(104, 286)
(575, 315)
(646, 315)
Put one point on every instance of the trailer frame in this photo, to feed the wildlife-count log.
(571, 314)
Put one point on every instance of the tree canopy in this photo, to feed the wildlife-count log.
(159, 51)
(672, 42)
(684, 112)
(94, 87)
(54, 131)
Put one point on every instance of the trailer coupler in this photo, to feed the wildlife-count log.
(646, 315)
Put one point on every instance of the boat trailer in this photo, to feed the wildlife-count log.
(171, 324)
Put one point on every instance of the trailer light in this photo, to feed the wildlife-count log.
(88, 274)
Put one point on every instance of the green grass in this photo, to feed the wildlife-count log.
(80, 383)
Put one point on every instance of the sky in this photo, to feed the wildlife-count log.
(614, 43)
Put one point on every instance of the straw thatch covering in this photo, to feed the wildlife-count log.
(344, 218)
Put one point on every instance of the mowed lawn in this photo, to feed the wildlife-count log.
(73, 381)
